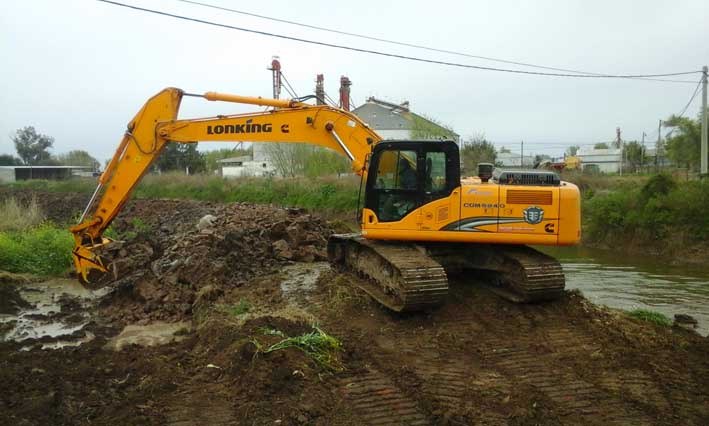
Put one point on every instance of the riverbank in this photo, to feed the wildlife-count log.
(658, 216)
(637, 214)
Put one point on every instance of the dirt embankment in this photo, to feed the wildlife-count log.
(247, 279)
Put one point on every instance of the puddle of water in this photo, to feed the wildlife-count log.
(42, 320)
(301, 278)
(629, 282)
(157, 333)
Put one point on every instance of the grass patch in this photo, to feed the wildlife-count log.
(319, 346)
(651, 316)
(240, 308)
(326, 194)
(17, 217)
(43, 250)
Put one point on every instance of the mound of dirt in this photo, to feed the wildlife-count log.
(170, 258)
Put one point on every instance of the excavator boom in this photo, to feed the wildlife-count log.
(156, 124)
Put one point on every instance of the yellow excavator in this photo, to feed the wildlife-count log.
(420, 221)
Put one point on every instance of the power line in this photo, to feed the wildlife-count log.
(405, 44)
(694, 95)
(392, 55)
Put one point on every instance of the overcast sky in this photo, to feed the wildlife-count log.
(79, 70)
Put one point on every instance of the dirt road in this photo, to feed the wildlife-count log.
(256, 275)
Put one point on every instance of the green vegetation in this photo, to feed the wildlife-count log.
(683, 143)
(650, 316)
(42, 250)
(659, 210)
(428, 128)
(27, 245)
(32, 147)
(317, 345)
(138, 228)
(16, 217)
(240, 308)
(322, 194)
(293, 160)
(476, 150)
(182, 157)
(71, 185)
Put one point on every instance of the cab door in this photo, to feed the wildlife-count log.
(393, 185)
(440, 177)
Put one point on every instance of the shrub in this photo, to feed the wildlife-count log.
(44, 250)
(16, 217)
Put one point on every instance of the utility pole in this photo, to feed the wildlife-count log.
(658, 146)
(521, 156)
(705, 151)
(642, 153)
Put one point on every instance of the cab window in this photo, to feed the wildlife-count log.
(397, 170)
(396, 184)
(435, 173)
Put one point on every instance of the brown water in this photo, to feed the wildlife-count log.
(47, 320)
(619, 280)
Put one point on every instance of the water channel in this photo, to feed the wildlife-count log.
(619, 280)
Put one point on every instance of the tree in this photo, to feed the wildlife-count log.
(572, 150)
(601, 145)
(9, 160)
(291, 160)
(633, 154)
(31, 146)
(181, 156)
(428, 128)
(541, 159)
(683, 143)
(78, 158)
(476, 150)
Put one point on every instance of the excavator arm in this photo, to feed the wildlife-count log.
(156, 124)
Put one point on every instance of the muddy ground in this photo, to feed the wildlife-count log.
(256, 274)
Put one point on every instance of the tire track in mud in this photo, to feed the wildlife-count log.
(460, 361)
(379, 401)
(541, 367)
(199, 406)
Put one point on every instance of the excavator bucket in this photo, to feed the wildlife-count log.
(86, 260)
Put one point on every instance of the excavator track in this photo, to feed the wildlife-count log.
(400, 276)
(413, 277)
(518, 273)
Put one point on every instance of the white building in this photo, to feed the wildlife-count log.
(603, 160)
(246, 165)
(514, 159)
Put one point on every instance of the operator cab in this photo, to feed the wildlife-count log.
(404, 175)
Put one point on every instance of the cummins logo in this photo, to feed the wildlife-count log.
(248, 127)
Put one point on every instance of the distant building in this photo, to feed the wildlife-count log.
(9, 174)
(605, 160)
(514, 159)
(246, 165)
(396, 121)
